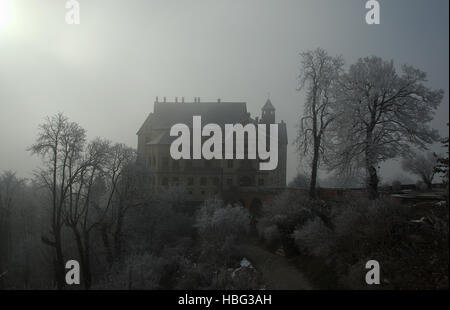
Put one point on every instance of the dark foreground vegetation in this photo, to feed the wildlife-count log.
(332, 241)
(165, 244)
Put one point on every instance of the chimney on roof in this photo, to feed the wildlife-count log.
(218, 100)
(198, 99)
(164, 99)
(155, 106)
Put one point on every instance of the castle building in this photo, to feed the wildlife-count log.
(203, 178)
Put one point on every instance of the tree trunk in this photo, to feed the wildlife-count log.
(59, 261)
(80, 250)
(372, 182)
(87, 261)
(315, 161)
(372, 177)
(118, 238)
(83, 253)
(107, 245)
(314, 167)
(429, 184)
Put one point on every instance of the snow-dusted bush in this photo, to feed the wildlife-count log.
(220, 227)
(281, 217)
(314, 238)
(216, 220)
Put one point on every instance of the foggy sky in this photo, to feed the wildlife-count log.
(106, 72)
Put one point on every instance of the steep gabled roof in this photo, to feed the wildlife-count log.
(166, 114)
(268, 106)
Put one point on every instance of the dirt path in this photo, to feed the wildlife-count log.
(276, 270)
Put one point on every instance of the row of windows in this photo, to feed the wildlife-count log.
(203, 181)
(204, 163)
(202, 192)
(191, 181)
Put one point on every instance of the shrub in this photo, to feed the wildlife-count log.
(314, 238)
(220, 228)
(281, 217)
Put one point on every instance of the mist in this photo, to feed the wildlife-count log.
(106, 72)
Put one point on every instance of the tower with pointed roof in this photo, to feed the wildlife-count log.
(268, 113)
(277, 176)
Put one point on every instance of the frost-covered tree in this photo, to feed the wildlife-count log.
(381, 114)
(421, 166)
(319, 76)
(220, 228)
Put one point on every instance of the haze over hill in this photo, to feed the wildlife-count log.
(106, 72)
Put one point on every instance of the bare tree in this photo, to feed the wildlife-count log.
(381, 114)
(119, 188)
(78, 214)
(59, 143)
(423, 166)
(319, 77)
(92, 197)
(133, 190)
